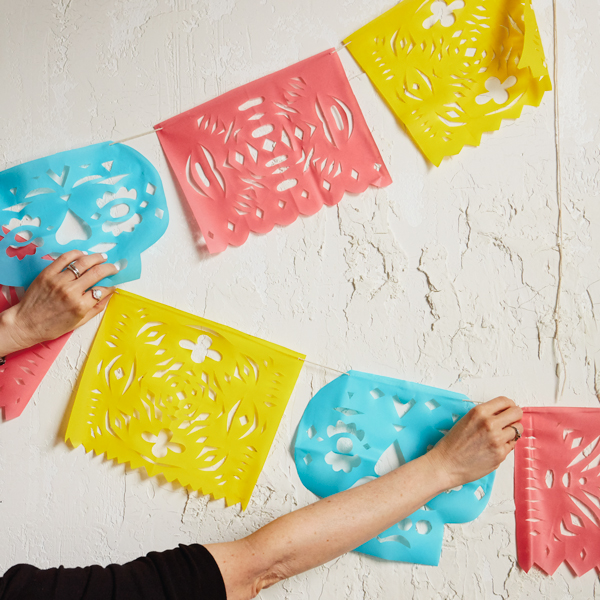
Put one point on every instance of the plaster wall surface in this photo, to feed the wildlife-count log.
(448, 277)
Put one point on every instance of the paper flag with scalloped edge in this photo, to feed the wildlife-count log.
(183, 397)
(264, 153)
(361, 426)
(453, 70)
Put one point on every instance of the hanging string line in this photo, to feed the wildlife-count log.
(560, 366)
(341, 47)
(316, 364)
(133, 137)
(310, 362)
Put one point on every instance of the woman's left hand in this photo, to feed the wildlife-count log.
(58, 301)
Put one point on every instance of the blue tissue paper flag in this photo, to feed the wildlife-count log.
(102, 198)
(361, 426)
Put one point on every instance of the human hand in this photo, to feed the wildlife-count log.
(479, 442)
(56, 302)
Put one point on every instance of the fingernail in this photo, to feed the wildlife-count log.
(104, 256)
(117, 267)
(85, 252)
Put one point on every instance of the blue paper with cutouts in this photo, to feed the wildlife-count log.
(359, 427)
(101, 198)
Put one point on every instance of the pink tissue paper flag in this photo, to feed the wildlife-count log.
(557, 489)
(24, 370)
(266, 152)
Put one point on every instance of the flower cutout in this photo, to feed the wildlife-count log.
(345, 460)
(200, 349)
(444, 13)
(162, 443)
(496, 90)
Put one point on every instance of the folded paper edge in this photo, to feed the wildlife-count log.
(522, 498)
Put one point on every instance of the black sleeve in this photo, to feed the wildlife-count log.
(185, 573)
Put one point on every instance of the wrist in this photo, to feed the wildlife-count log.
(441, 469)
(12, 338)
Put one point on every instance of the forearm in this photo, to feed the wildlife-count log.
(333, 526)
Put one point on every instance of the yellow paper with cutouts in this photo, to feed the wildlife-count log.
(183, 397)
(453, 70)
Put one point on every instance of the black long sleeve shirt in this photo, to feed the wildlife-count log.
(185, 573)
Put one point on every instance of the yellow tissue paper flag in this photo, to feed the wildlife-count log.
(453, 70)
(183, 397)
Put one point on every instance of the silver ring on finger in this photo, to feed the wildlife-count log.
(74, 270)
(517, 434)
(97, 294)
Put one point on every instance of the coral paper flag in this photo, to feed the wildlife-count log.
(361, 426)
(279, 147)
(453, 70)
(182, 397)
(557, 489)
(24, 370)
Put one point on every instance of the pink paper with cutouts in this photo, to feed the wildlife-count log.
(24, 370)
(557, 489)
(279, 147)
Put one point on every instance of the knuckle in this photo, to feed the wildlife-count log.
(79, 262)
(96, 271)
(44, 275)
(77, 306)
(51, 285)
(63, 294)
(478, 412)
(73, 255)
(45, 280)
(488, 425)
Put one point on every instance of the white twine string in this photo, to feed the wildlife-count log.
(133, 137)
(316, 364)
(341, 47)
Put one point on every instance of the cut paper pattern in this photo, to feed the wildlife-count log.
(182, 397)
(557, 489)
(279, 147)
(361, 426)
(102, 198)
(453, 70)
(23, 371)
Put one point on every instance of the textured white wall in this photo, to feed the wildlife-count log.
(447, 277)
